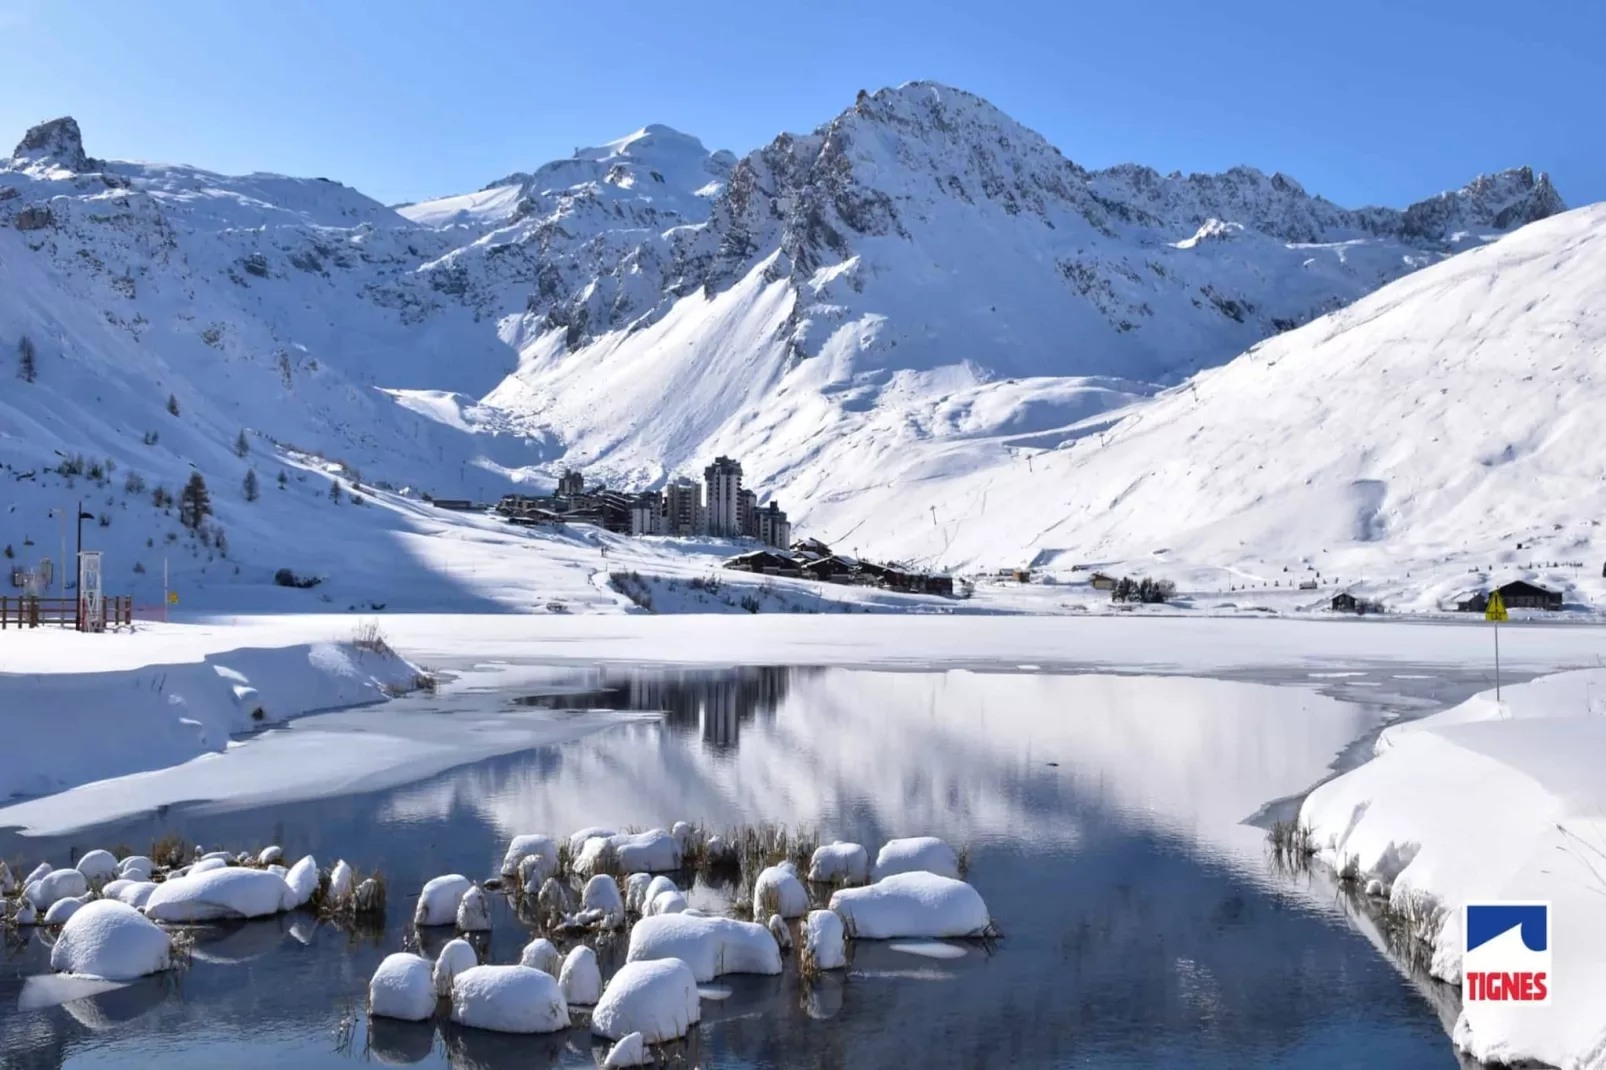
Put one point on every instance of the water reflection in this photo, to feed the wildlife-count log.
(1104, 815)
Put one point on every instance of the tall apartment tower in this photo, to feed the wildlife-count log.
(683, 509)
(724, 480)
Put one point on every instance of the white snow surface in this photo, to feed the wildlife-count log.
(914, 854)
(778, 889)
(526, 845)
(62, 910)
(97, 866)
(580, 977)
(439, 898)
(839, 861)
(456, 957)
(601, 893)
(508, 999)
(56, 885)
(541, 954)
(218, 894)
(656, 999)
(825, 939)
(916, 904)
(112, 941)
(402, 987)
(631, 1050)
(1488, 801)
(302, 880)
(710, 946)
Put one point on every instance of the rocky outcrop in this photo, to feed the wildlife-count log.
(58, 141)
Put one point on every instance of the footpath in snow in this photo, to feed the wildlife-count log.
(1493, 800)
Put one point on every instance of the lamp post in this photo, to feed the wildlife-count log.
(78, 564)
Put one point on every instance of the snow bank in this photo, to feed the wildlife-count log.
(709, 946)
(110, 940)
(581, 978)
(402, 988)
(918, 853)
(1491, 801)
(98, 866)
(437, 902)
(219, 893)
(778, 891)
(846, 862)
(456, 957)
(302, 880)
(656, 999)
(601, 893)
(630, 1051)
(509, 999)
(57, 884)
(526, 846)
(540, 954)
(824, 939)
(109, 724)
(474, 912)
(912, 904)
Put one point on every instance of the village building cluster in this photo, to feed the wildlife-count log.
(814, 560)
(718, 506)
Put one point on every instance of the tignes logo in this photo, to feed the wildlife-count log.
(1507, 955)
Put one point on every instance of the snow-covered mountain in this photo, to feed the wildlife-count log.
(879, 317)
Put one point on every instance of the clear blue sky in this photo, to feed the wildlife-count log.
(1366, 102)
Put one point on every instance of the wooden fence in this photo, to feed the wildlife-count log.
(26, 611)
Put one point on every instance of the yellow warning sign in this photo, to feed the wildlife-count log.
(1497, 608)
(172, 600)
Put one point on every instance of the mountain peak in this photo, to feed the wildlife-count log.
(58, 141)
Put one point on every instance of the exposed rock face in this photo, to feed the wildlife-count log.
(58, 141)
(34, 217)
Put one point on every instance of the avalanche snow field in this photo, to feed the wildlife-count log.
(1110, 778)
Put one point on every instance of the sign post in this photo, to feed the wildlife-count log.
(1496, 612)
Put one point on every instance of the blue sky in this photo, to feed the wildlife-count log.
(1366, 102)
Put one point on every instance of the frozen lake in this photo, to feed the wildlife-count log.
(1105, 817)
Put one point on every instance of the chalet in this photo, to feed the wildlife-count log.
(1345, 602)
(765, 562)
(1475, 603)
(461, 505)
(831, 569)
(811, 548)
(1519, 594)
(942, 585)
(1308, 585)
(1101, 582)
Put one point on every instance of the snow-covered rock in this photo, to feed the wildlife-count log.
(136, 893)
(207, 865)
(342, 881)
(777, 890)
(402, 987)
(915, 854)
(685, 837)
(555, 897)
(98, 866)
(63, 909)
(135, 868)
(653, 851)
(55, 885)
(474, 912)
(825, 940)
(509, 999)
(710, 946)
(302, 880)
(631, 1050)
(270, 856)
(670, 902)
(577, 841)
(916, 903)
(783, 935)
(526, 846)
(8, 883)
(38, 873)
(719, 851)
(540, 954)
(216, 856)
(111, 888)
(635, 891)
(25, 914)
(657, 999)
(580, 977)
(369, 897)
(601, 893)
(438, 900)
(458, 955)
(279, 870)
(110, 940)
(219, 893)
(846, 862)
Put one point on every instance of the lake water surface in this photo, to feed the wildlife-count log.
(1104, 817)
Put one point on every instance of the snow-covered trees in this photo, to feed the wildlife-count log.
(242, 445)
(283, 481)
(252, 491)
(26, 367)
(194, 503)
(172, 404)
(334, 491)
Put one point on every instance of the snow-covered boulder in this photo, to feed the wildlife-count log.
(302, 880)
(654, 851)
(270, 855)
(368, 897)
(403, 987)
(219, 893)
(509, 999)
(710, 946)
(38, 873)
(783, 935)
(26, 914)
(656, 887)
(535, 870)
(8, 882)
(217, 856)
(635, 891)
(474, 912)
(657, 999)
(342, 881)
(577, 841)
(136, 893)
(112, 888)
(824, 940)
(845, 862)
(280, 871)
(98, 866)
(580, 978)
(631, 1050)
(540, 954)
(63, 909)
(670, 902)
(915, 854)
(601, 893)
(57, 884)
(719, 851)
(778, 891)
(111, 940)
(207, 865)
(437, 902)
(685, 837)
(912, 904)
(526, 846)
(458, 955)
(136, 868)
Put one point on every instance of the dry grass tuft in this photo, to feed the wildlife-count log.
(171, 851)
(369, 637)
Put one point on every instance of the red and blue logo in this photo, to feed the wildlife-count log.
(1507, 954)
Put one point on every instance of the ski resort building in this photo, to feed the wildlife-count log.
(724, 481)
